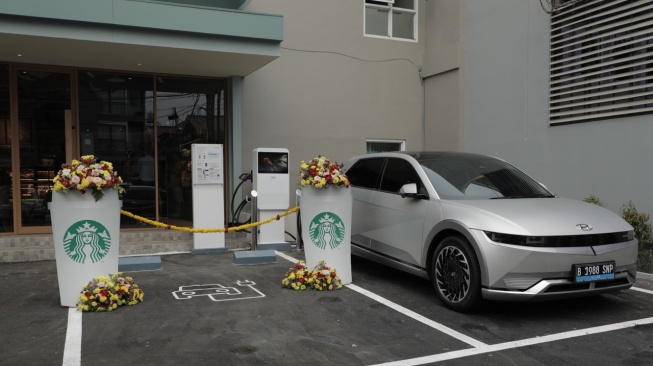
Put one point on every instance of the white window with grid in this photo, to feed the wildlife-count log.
(382, 145)
(601, 64)
(392, 19)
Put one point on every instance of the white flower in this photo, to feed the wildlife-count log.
(65, 173)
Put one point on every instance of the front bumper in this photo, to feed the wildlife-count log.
(551, 289)
(518, 273)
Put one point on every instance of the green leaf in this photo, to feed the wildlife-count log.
(97, 194)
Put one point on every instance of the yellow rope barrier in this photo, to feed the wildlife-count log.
(207, 230)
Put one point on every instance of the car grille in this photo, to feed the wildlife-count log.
(566, 287)
(561, 241)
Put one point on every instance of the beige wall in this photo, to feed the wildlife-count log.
(444, 127)
(331, 88)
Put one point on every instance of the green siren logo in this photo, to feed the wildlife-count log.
(87, 240)
(326, 228)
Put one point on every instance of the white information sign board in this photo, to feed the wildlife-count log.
(207, 164)
(208, 196)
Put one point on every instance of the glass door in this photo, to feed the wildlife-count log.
(42, 133)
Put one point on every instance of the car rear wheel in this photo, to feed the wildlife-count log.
(456, 274)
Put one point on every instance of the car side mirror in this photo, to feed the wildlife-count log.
(410, 190)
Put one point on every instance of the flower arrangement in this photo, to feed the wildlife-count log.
(87, 174)
(320, 173)
(321, 278)
(107, 293)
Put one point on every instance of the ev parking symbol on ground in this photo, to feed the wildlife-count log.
(217, 292)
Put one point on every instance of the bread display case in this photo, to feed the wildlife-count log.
(35, 182)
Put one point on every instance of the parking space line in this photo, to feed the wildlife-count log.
(442, 328)
(642, 290)
(286, 257)
(517, 344)
(409, 313)
(72, 352)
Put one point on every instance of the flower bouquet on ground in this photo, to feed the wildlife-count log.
(108, 293)
(321, 278)
(87, 174)
(321, 173)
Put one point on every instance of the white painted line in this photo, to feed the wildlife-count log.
(411, 314)
(286, 257)
(642, 290)
(442, 328)
(518, 344)
(72, 352)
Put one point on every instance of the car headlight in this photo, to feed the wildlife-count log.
(561, 241)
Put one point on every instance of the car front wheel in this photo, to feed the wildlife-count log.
(456, 274)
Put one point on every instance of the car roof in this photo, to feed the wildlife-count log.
(425, 155)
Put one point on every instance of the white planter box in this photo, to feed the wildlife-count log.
(86, 239)
(326, 228)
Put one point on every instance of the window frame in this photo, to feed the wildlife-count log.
(392, 9)
(400, 143)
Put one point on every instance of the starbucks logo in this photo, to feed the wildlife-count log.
(86, 241)
(326, 229)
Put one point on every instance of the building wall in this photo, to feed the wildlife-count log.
(331, 88)
(505, 82)
(444, 127)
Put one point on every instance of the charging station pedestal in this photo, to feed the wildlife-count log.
(271, 184)
(271, 180)
(208, 197)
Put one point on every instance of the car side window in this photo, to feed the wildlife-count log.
(398, 172)
(365, 173)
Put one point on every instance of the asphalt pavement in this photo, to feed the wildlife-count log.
(203, 309)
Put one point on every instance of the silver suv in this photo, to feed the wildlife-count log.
(480, 228)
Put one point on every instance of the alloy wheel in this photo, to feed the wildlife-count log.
(452, 274)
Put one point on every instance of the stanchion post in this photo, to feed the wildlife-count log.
(254, 216)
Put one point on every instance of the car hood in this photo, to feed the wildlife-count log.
(534, 216)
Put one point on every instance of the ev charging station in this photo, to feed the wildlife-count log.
(271, 197)
(271, 182)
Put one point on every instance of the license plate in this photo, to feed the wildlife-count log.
(591, 272)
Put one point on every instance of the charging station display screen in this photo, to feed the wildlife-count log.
(272, 162)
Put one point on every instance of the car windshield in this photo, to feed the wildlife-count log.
(460, 176)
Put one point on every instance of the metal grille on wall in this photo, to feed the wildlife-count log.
(601, 60)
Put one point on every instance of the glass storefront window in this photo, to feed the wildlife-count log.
(116, 111)
(145, 125)
(188, 111)
(44, 116)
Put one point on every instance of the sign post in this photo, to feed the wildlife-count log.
(208, 197)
